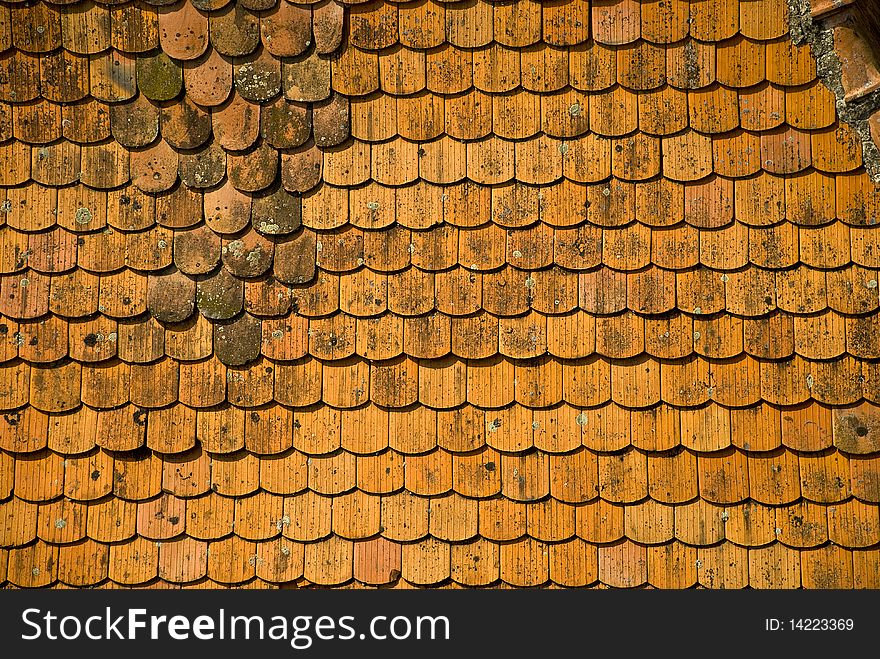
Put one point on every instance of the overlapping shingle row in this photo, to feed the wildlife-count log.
(425, 293)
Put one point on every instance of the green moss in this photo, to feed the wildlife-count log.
(307, 79)
(285, 125)
(159, 78)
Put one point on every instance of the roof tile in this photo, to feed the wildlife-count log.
(158, 77)
(33, 566)
(673, 565)
(301, 170)
(249, 255)
(551, 521)
(220, 430)
(426, 562)
(43, 470)
(615, 23)
(525, 563)
(443, 388)
(235, 31)
(789, 64)
(19, 526)
(624, 565)
(255, 170)
(859, 74)
(309, 515)
(723, 566)
(227, 210)
(184, 124)
(61, 522)
(279, 561)
(573, 563)
(691, 64)
(172, 297)
(751, 524)
(134, 28)
(236, 124)
(331, 122)
(208, 79)
(740, 61)
(73, 433)
(155, 168)
(775, 566)
(183, 32)
(231, 560)
(450, 70)
(22, 72)
(38, 122)
(328, 561)
(286, 30)
(257, 77)
(182, 560)
(93, 340)
(85, 29)
(285, 124)
(829, 567)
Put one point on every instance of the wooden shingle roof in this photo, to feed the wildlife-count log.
(458, 294)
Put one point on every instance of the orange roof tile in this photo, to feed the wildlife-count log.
(474, 294)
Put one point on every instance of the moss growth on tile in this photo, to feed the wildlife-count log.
(159, 78)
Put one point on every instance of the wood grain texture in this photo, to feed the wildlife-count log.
(474, 294)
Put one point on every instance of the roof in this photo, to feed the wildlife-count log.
(457, 294)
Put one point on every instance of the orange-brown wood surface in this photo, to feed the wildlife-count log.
(425, 293)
